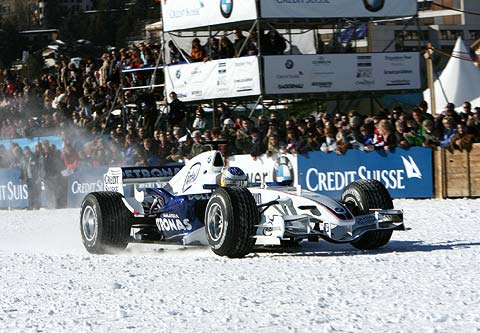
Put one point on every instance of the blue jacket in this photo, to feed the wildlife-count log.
(447, 136)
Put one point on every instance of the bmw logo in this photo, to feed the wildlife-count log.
(374, 5)
(226, 8)
(178, 74)
(289, 64)
(283, 170)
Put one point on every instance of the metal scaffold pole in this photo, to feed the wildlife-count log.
(431, 83)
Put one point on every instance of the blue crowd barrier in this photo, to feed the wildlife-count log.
(13, 193)
(405, 173)
(31, 142)
(82, 182)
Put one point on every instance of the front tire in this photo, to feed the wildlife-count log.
(230, 222)
(104, 223)
(361, 196)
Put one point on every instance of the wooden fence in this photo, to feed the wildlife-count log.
(457, 173)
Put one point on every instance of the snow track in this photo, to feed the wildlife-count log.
(425, 280)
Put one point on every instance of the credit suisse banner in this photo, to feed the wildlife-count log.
(342, 72)
(337, 8)
(13, 193)
(214, 79)
(82, 182)
(405, 173)
(185, 14)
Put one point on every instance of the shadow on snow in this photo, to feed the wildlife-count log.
(324, 249)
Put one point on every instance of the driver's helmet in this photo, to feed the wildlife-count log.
(233, 177)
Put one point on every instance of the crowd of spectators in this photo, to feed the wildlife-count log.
(269, 43)
(240, 44)
(76, 103)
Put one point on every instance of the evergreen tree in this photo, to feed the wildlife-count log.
(53, 14)
(24, 14)
(11, 44)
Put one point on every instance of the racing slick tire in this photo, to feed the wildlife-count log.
(361, 196)
(231, 218)
(104, 223)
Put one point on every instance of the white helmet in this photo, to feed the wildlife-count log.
(233, 176)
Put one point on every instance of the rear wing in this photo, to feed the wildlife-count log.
(115, 179)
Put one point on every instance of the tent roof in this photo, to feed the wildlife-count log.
(458, 82)
(476, 102)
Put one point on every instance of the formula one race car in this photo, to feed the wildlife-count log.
(209, 203)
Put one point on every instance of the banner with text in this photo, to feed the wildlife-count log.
(341, 72)
(186, 14)
(405, 173)
(337, 8)
(275, 168)
(82, 182)
(225, 78)
(13, 193)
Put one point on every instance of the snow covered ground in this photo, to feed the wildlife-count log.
(425, 280)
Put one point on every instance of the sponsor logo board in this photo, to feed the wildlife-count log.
(215, 79)
(341, 72)
(337, 8)
(263, 169)
(184, 14)
(405, 173)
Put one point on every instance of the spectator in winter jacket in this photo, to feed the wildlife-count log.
(273, 146)
(53, 166)
(448, 132)
(31, 176)
(199, 123)
(176, 113)
(131, 149)
(176, 55)
(431, 135)
(69, 157)
(197, 52)
(239, 44)
(414, 135)
(389, 141)
(367, 135)
(461, 140)
(330, 143)
(257, 147)
(402, 142)
(197, 147)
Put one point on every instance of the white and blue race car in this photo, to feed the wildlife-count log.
(207, 202)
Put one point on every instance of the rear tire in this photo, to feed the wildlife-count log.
(361, 196)
(231, 217)
(105, 223)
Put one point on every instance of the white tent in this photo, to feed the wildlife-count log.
(459, 81)
(476, 102)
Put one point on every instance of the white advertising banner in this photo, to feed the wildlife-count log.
(337, 8)
(214, 79)
(187, 14)
(263, 169)
(341, 72)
